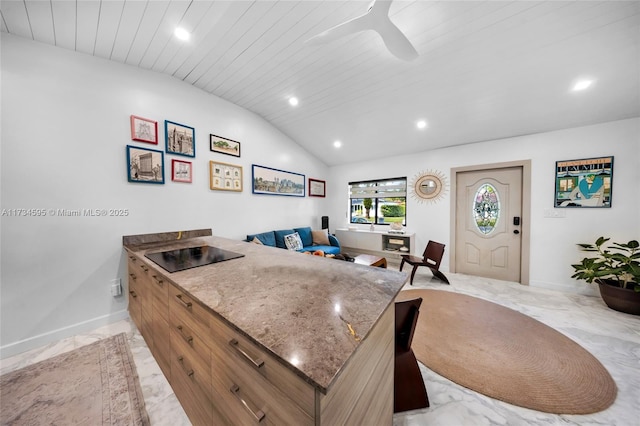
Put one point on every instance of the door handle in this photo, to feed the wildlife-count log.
(515, 231)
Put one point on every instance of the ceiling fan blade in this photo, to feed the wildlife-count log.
(376, 19)
(397, 43)
(355, 25)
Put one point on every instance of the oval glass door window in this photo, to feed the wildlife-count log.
(486, 208)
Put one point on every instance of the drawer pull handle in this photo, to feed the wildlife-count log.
(186, 304)
(133, 294)
(133, 276)
(258, 416)
(257, 363)
(144, 268)
(188, 339)
(190, 371)
(158, 281)
(133, 258)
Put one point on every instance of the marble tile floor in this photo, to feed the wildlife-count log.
(612, 337)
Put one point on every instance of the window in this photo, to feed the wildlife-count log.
(486, 209)
(378, 201)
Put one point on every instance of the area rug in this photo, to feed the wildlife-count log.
(96, 384)
(507, 355)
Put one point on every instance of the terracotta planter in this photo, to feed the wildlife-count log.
(620, 299)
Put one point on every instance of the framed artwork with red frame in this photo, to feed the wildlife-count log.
(317, 188)
(144, 130)
(181, 171)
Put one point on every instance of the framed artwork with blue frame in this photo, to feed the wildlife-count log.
(180, 139)
(265, 180)
(584, 183)
(145, 165)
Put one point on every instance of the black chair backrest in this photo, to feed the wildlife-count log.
(433, 254)
(406, 319)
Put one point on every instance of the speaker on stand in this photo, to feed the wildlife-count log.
(325, 222)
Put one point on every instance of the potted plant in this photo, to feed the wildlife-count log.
(616, 269)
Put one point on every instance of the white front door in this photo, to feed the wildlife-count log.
(488, 223)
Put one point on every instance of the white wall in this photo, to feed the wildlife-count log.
(65, 125)
(553, 241)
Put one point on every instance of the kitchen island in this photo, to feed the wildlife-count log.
(274, 336)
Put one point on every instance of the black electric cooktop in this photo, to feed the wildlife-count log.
(187, 258)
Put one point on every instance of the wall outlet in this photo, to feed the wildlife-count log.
(116, 287)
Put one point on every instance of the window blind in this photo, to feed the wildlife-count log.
(385, 188)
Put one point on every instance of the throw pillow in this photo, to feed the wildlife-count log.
(320, 238)
(257, 241)
(293, 241)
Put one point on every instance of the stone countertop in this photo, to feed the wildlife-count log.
(310, 312)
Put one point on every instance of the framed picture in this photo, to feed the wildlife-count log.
(584, 183)
(224, 145)
(144, 130)
(317, 188)
(266, 180)
(181, 171)
(225, 177)
(145, 165)
(181, 139)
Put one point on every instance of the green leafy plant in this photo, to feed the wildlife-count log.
(392, 210)
(617, 263)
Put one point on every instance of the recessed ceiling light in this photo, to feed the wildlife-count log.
(421, 124)
(182, 34)
(337, 144)
(582, 85)
(293, 101)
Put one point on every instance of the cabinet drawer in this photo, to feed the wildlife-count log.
(191, 337)
(146, 326)
(135, 309)
(162, 344)
(193, 400)
(188, 311)
(244, 355)
(245, 397)
(159, 289)
(186, 362)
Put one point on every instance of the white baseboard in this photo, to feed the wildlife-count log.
(53, 336)
(576, 288)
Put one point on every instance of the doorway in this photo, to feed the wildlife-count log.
(490, 232)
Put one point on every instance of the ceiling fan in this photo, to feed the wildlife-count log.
(377, 19)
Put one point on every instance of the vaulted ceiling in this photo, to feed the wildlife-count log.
(485, 70)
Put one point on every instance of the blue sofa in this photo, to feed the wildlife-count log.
(276, 239)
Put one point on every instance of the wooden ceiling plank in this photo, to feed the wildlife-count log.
(16, 19)
(214, 59)
(296, 56)
(164, 34)
(285, 36)
(271, 27)
(220, 18)
(129, 26)
(108, 27)
(151, 19)
(192, 17)
(87, 15)
(356, 86)
(40, 17)
(64, 23)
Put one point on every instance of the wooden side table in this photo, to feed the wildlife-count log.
(370, 260)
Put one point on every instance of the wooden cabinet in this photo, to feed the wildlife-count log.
(135, 292)
(254, 385)
(223, 377)
(159, 295)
